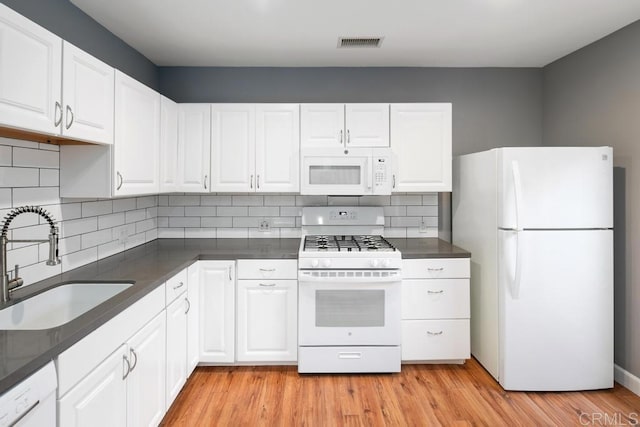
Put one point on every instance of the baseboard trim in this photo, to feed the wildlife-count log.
(626, 379)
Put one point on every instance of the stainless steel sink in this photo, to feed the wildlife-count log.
(58, 305)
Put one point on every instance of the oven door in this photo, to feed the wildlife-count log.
(347, 308)
(337, 174)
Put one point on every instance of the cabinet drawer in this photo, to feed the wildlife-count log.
(176, 286)
(267, 269)
(348, 359)
(435, 340)
(435, 298)
(435, 268)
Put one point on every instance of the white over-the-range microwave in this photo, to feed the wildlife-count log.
(346, 172)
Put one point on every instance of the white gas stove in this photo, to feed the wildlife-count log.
(349, 292)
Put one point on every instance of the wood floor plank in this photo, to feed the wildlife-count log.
(421, 395)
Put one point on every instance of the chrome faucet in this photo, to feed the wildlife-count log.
(7, 285)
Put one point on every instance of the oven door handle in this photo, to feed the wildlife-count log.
(315, 279)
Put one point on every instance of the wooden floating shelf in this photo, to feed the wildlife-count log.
(39, 137)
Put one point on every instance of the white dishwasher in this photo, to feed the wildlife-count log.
(31, 403)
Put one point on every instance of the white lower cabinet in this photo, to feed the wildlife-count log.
(193, 317)
(217, 311)
(125, 389)
(176, 346)
(101, 398)
(435, 310)
(267, 321)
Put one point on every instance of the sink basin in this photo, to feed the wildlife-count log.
(58, 305)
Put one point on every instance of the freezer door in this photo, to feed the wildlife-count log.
(555, 187)
(556, 322)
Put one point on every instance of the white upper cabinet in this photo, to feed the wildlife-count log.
(367, 125)
(277, 164)
(255, 147)
(31, 74)
(421, 144)
(344, 125)
(87, 97)
(232, 147)
(137, 138)
(168, 145)
(322, 125)
(194, 147)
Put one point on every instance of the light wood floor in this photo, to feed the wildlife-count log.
(422, 395)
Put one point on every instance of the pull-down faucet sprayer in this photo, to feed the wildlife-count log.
(7, 285)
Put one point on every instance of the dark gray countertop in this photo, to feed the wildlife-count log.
(148, 266)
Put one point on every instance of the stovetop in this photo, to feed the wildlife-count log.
(347, 243)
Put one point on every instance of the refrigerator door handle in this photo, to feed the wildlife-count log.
(517, 189)
(515, 285)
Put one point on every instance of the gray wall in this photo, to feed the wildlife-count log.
(491, 106)
(592, 97)
(70, 23)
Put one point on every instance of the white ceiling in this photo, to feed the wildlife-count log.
(429, 33)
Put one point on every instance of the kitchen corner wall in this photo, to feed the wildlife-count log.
(224, 215)
(90, 229)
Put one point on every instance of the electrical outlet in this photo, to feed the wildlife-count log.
(123, 237)
(423, 227)
(265, 225)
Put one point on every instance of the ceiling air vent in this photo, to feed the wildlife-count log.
(359, 41)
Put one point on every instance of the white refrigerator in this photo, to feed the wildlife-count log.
(538, 222)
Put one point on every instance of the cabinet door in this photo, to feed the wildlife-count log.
(176, 347)
(193, 317)
(194, 144)
(217, 311)
(137, 138)
(87, 97)
(367, 125)
(322, 125)
(168, 145)
(233, 147)
(146, 382)
(31, 70)
(278, 148)
(421, 144)
(267, 320)
(100, 399)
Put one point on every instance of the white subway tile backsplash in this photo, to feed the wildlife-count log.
(215, 200)
(151, 234)
(163, 222)
(283, 222)
(415, 232)
(430, 199)
(70, 211)
(79, 226)
(395, 210)
(24, 220)
(246, 221)
(135, 240)
(200, 211)
(146, 225)
(186, 221)
(290, 211)
(122, 205)
(36, 272)
(111, 220)
(422, 211)
(110, 248)
(189, 200)
(247, 200)
(200, 233)
(134, 216)
(80, 258)
(35, 232)
(49, 177)
(146, 202)
(19, 177)
(279, 200)
(163, 200)
(96, 238)
(68, 245)
(375, 200)
(407, 199)
(171, 233)
(22, 256)
(97, 208)
(273, 233)
(35, 158)
(343, 201)
(152, 212)
(233, 211)
(5, 198)
(406, 221)
(18, 142)
(216, 222)
(5, 155)
(233, 233)
(264, 211)
(48, 147)
(171, 211)
(311, 200)
(35, 196)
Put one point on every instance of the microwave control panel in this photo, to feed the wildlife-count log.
(382, 174)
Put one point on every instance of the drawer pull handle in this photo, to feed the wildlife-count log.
(135, 358)
(436, 292)
(435, 269)
(267, 285)
(127, 368)
(434, 333)
(350, 355)
(178, 286)
(186, 300)
(268, 270)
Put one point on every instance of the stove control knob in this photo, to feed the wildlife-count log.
(386, 263)
(374, 263)
(326, 263)
(314, 263)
